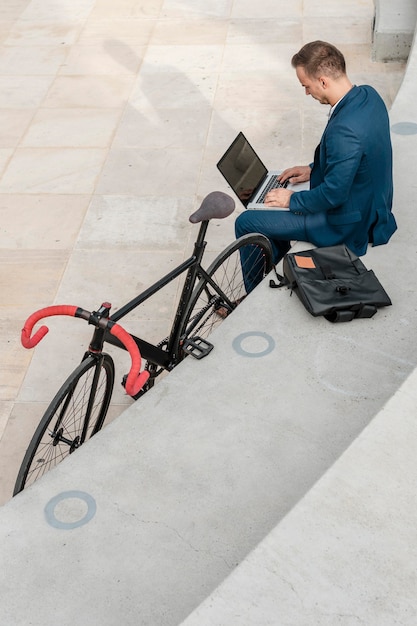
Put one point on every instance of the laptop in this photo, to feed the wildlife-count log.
(246, 174)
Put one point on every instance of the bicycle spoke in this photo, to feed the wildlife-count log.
(226, 288)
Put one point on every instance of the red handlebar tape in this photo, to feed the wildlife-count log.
(135, 379)
(49, 311)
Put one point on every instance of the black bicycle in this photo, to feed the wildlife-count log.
(78, 410)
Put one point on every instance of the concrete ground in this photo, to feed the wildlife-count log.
(97, 100)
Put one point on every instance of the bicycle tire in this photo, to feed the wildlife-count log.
(201, 316)
(87, 390)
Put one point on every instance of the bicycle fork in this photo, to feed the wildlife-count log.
(58, 433)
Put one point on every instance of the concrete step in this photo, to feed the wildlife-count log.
(394, 29)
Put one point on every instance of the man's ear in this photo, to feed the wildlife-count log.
(324, 81)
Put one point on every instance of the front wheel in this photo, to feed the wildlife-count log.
(76, 413)
(232, 275)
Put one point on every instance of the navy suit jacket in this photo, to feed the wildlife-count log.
(350, 195)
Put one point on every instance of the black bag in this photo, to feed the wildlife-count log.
(333, 282)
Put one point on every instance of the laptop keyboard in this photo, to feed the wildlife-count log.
(272, 184)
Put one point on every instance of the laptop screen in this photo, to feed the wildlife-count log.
(242, 168)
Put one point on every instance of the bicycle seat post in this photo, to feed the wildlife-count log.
(200, 242)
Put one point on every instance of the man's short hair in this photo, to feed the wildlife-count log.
(320, 58)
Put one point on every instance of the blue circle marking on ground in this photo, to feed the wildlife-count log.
(66, 495)
(237, 344)
(404, 128)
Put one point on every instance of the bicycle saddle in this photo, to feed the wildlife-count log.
(216, 205)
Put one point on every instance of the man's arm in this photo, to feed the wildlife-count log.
(343, 158)
(344, 153)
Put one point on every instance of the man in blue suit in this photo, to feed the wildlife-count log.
(350, 196)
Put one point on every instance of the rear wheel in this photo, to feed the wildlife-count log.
(245, 261)
(75, 414)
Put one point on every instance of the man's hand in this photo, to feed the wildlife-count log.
(278, 197)
(294, 175)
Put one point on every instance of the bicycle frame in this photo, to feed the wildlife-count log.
(169, 351)
(166, 359)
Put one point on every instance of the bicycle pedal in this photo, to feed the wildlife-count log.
(197, 347)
